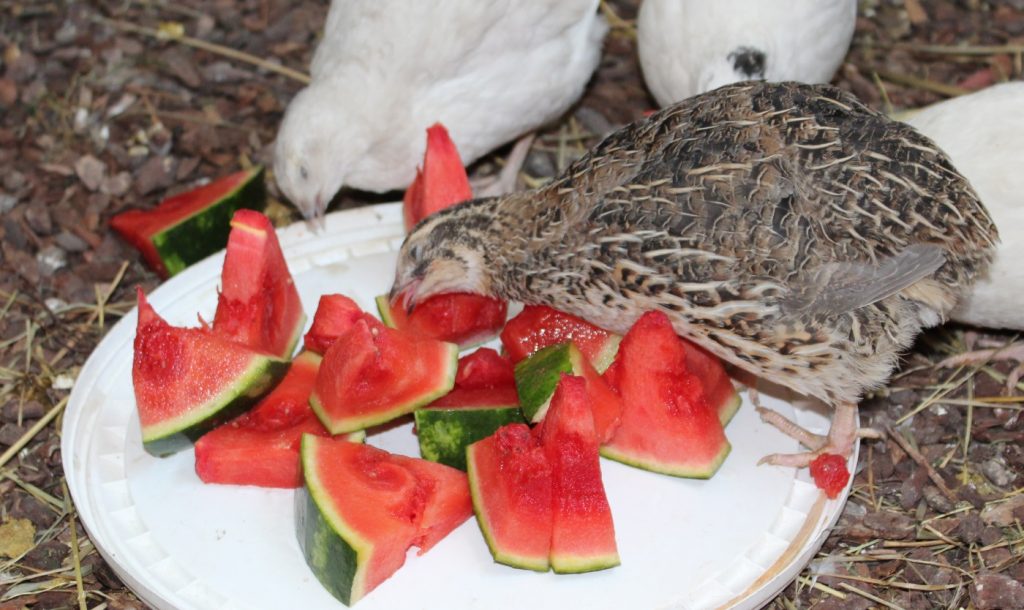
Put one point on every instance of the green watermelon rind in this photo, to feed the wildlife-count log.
(606, 355)
(537, 564)
(537, 377)
(173, 435)
(445, 433)
(300, 326)
(728, 409)
(384, 310)
(445, 382)
(676, 470)
(195, 237)
(579, 564)
(331, 549)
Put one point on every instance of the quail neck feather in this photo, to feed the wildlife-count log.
(787, 228)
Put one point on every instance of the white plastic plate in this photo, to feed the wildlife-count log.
(733, 541)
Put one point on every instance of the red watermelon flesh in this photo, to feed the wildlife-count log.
(448, 503)
(441, 183)
(539, 326)
(258, 305)
(718, 388)
(485, 368)
(510, 481)
(667, 425)
(373, 374)
(465, 319)
(188, 380)
(582, 534)
(335, 314)
(262, 446)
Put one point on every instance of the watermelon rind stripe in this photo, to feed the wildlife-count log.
(384, 310)
(537, 564)
(537, 377)
(444, 433)
(578, 564)
(606, 355)
(300, 325)
(173, 435)
(728, 409)
(686, 471)
(444, 382)
(337, 554)
(197, 236)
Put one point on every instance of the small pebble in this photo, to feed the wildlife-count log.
(50, 259)
(997, 592)
(995, 470)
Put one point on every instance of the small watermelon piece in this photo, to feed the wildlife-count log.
(830, 474)
(718, 388)
(538, 376)
(667, 425)
(441, 183)
(373, 374)
(188, 381)
(465, 319)
(582, 531)
(335, 314)
(262, 446)
(187, 228)
(258, 305)
(360, 509)
(511, 485)
(484, 399)
(539, 326)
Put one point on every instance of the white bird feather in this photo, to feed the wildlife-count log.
(385, 70)
(687, 47)
(983, 133)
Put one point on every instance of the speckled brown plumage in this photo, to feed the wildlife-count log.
(788, 228)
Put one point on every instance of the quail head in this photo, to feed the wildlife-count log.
(787, 228)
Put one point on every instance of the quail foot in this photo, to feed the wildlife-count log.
(787, 228)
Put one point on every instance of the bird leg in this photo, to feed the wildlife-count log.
(505, 182)
(1014, 351)
(840, 437)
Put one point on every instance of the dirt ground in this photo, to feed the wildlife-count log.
(106, 107)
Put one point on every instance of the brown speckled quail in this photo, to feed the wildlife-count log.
(788, 228)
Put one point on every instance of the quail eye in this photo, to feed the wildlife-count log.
(415, 250)
(303, 172)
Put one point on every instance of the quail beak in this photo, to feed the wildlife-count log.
(405, 295)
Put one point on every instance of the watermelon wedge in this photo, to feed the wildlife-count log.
(360, 509)
(335, 314)
(539, 326)
(187, 381)
(511, 485)
(464, 319)
(262, 446)
(187, 228)
(484, 399)
(373, 374)
(538, 375)
(719, 391)
(258, 305)
(582, 532)
(441, 183)
(667, 424)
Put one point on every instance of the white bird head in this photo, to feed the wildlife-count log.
(312, 151)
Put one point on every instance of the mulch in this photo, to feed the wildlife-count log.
(111, 106)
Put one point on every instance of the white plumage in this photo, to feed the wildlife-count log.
(983, 133)
(688, 47)
(385, 70)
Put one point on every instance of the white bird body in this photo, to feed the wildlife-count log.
(688, 47)
(983, 133)
(385, 70)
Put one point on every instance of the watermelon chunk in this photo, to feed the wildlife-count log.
(335, 314)
(373, 374)
(441, 183)
(582, 532)
(510, 482)
(360, 509)
(718, 388)
(187, 381)
(187, 228)
(539, 326)
(262, 446)
(484, 399)
(258, 305)
(465, 319)
(538, 376)
(667, 424)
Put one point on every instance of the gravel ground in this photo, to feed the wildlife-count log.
(103, 108)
